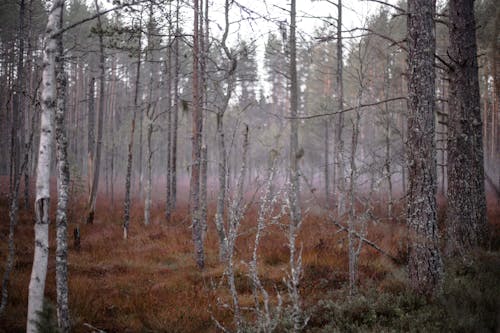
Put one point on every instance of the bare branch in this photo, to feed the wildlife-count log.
(399, 9)
(349, 109)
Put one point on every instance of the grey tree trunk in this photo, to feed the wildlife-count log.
(100, 121)
(339, 142)
(196, 148)
(388, 140)
(221, 143)
(16, 169)
(168, 196)
(294, 190)
(42, 202)
(236, 213)
(63, 319)
(175, 110)
(466, 219)
(91, 133)
(425, 265)
(221, 196)
(126, 218)
(149, 172)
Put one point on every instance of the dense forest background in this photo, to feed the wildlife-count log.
(324, 184)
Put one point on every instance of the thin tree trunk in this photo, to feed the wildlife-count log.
(221, 143)
(100, 121)
(169, 72)
(126, 218)
(388, 140)
(467, 226)
(13, 219)
(327, 162)
(294, 191)
(149, 171)
(91, 134)
(175, 110)
(196, 148)
(425, 266)
(42, 202)
(340, 180)
(221, 196)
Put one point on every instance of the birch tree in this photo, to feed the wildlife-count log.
(63, 320)
(42, 202)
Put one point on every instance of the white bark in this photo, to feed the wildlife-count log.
(62, 190)
(39, 270)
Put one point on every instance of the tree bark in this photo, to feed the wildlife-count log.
(294, 191)
(175, 110)
(42, 202)
(196, 148)
(100, 121)
(339, 142)
(126, 218)
(466, 218)
(63, 320)
(425, 265)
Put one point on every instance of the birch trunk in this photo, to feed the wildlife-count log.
(425, 266)
(62, 190)
(42, 202)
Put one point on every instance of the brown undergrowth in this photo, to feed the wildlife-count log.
(149, 283)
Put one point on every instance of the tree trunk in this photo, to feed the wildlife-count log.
(169, 72)
(466, 218)
(42, 202)
(340, 173)
(425, 265)
(62, 190)
(126, 218)
(221, 196)
(100, 121)
(196, 148)
(294, 191)
(176, 111)
(149, 171)
(91, 134)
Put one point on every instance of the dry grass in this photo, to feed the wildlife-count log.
(150, 281)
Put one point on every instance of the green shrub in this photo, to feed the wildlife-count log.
(469, 301)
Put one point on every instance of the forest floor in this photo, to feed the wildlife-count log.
(150, 283)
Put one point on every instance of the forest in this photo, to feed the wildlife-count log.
(249, 166)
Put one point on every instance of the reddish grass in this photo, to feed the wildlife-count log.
(150, 281)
